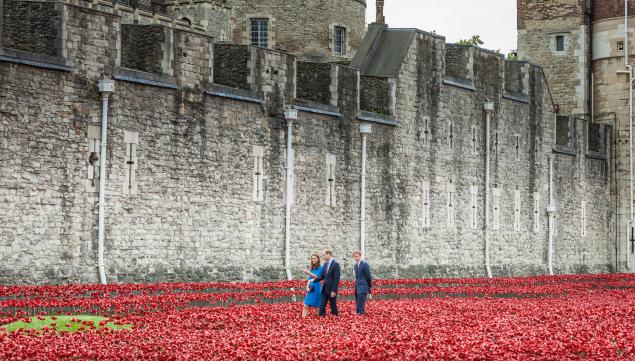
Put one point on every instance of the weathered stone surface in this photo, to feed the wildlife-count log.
(142, 47)
(30, 26)
(375, 95)
(193, 216)
(314, 82)
(231, 66)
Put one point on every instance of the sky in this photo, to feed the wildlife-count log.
(493, 20)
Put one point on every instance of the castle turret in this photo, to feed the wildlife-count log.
(555, 35)
(316, 30)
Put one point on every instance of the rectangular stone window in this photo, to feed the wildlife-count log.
(260, 32)
(258, 174)
(339, 40)
(536, 212)
(559, 42)
(620, 46)
(451, 205)
(474, 140)
(517, 145)
(473, 208)
(496, 145)
(450, 135)
(496, 207)
(426, 134)
(330, 180)
(537, 152)
(425, 204)
(131, 140)
(516, 210)
(583, 218)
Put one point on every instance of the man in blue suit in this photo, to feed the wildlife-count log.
(363, 282)
(331, 277)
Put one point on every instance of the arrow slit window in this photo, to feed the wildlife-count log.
(258, 174)
(517, 210)
(331, 199)
(496, 206)
(451, 205)
(425, 198)
(536, 212)
(473, 207)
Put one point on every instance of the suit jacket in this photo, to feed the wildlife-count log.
(363, 279)
(331, 278)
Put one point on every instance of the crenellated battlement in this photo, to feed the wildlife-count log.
(151, 48)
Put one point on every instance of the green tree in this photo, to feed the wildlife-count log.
(474, 40)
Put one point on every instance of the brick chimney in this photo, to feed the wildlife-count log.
(380, 11)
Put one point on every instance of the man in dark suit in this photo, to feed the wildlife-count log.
(363, 282)
(331, 277)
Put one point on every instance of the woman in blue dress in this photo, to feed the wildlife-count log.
(313, 289)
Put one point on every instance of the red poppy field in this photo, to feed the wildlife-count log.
(550, 318)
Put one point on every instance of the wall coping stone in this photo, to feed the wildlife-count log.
(310, 109)
(141, 77)
(33, 62)
(233, 93)
(521, 99)
(376, 118)
(459, 84)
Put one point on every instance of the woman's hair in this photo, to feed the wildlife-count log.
(313, 265)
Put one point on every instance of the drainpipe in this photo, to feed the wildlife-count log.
(631, 79)
(290, 115)
(488, 107)
(551, 211)
(364, 130)
(106, 87)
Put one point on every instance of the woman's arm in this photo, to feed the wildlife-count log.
(313, 275)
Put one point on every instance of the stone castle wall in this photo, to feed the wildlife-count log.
(196, 158)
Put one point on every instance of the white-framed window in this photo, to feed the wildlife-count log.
(451, 205)
(536, 212)
(496, 208)
(516, 210)
(425, 204)
(339, 40)
(473, 209)
(258, 174)
(331, 199)
(259, 32)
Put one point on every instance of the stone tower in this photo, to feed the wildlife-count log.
(555, 35)
(325, 30)
(581, 46)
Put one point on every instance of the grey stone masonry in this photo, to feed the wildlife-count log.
(30, 26)
(142, 47)
(195, 162)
